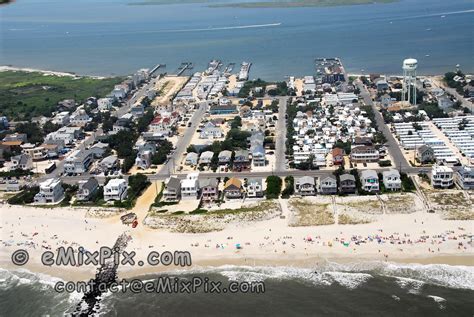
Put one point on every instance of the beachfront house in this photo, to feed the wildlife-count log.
(254, 188)
(464, 177)
(328, 185)
(369, 180)
(441, 176)
(233, 188)
(172, 190)
(347, 184)
(391, 179)
(87, 189)
(305, 186)
(51, 191)
(116, 189)
(209, 190)
(190, 186)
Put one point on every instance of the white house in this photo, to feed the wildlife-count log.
(369, 180)
(104, 104)
(78, 162)
(391, 179)
(80, 118)
(51, 191)
(441, 176)
(190, 186)
(116, 189)
(254, 187)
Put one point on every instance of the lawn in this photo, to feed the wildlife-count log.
(24, 95)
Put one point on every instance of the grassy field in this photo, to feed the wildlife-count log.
(24, 94)
(266, 4)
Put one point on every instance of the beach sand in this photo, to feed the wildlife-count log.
(264, 243)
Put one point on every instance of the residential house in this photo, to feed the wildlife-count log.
(441, 176)
(108, 163)
(257, 149)
(364, 154)
(254, 187)
(328, 185)
(172, 190)
(425, 154)
(104, 104)
(145, 155)
(161, 125)
(191, 159)
(210, 131)
(225, 157)
(190, 186)
(99, 149)
(233, 188)
(305, 186)
(209, 190)
(206, 158)
(37, 153)
(347, 184)
(66, 105)
(369, 180)
(337, 156)
(362, 141)
(241, 160)
(66, 134)
(223, 109)
(87, 189)
(116, 189)
(61, 118)
(123, 123)
(80, 117)
(464, 177)
(51, 191)
(22, 161)
(137, 110)
(78, 162)
(392, 180)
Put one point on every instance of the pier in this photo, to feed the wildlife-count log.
(154, 69)
(184, 67)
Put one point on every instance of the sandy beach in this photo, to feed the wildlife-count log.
(5, 68)
(407, 238)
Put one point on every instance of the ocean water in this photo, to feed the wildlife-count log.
(364, 289)
(107, 37)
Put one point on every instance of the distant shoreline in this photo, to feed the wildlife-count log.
(6, 68)
(267, 4)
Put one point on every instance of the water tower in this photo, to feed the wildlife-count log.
(409, 80)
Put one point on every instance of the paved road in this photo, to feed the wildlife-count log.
(280, 146)
(392, 145)
(183, 142)
(89, 140)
